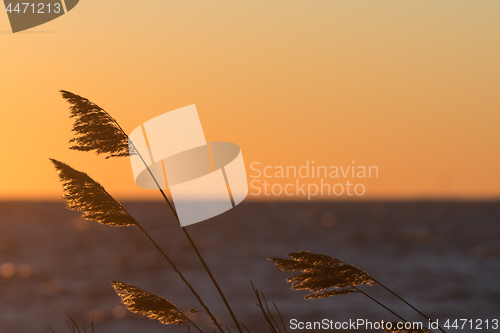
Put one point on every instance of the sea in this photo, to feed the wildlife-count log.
(443, 257)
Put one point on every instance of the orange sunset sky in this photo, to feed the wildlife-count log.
(409, 86)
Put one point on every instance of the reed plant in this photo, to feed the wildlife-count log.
(96, 130)
(327, 276)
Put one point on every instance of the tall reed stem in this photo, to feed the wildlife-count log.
(411, 306)
(213, 279)
(191, 322)
(382, 305)
(172, 263)
(400, 298)
(185, 232)
(195, 248)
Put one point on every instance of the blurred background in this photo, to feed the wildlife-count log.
(443, 257)
(409, 87)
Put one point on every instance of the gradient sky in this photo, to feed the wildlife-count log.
(409, 86)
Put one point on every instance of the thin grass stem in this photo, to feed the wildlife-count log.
(259, 304)
(213, 279)
(74, 324)
(174, 266)
(282, 321)
(382, 305)
(407, 303)
(244, 326)
(269, 312)
(191, 322)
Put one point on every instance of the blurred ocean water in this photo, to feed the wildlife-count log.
(443, 257)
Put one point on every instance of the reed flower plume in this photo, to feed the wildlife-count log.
(148, 304)
(319, 272)
(87, 196)
(95, 129)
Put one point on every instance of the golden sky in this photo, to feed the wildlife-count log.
(409, 86)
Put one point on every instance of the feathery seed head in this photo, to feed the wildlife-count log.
(318, 272)
(87, 196)
(95, 129)
(148, 304)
